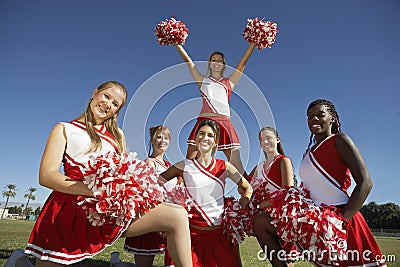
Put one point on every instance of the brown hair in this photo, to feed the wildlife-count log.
(275, 132)
(209, 62)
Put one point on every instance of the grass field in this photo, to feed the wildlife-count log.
(14, 234)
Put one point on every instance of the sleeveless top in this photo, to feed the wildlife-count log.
(206, 187)
(272, 174)
(325, 175)
(215, 95)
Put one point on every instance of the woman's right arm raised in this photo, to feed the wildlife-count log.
(49, 173)
(198, 78)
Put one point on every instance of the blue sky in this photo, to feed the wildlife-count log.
(54, 53)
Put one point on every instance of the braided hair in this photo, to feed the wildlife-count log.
(336, 127)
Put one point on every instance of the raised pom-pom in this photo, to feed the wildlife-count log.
(123, 186)
(262, 33)
(171, 32)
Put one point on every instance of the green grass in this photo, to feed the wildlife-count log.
(15, 234)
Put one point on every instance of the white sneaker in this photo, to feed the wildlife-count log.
(15, 256)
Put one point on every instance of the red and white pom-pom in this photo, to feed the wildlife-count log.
(171, 32)
(123, 186)
(262, 33)
(316, 229)
(261, 193)
(234, 221)
(179, 195)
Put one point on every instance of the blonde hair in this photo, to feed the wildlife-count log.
(110, 124)
(154, 130)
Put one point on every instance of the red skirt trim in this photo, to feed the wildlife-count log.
(228, 138)
(64, 235)
(147, 244)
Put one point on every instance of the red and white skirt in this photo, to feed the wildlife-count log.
(71, 228)
(210, 248)
(228, 138)
(147, 244)
(362, 249)
(63, 233)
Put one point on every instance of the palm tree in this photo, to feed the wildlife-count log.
(30, 196)
(9, 192)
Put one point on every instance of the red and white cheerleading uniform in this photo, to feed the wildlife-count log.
(63, 233)
(215, 99)
(206, 186)
(151, 243)
(272, 175)
(327, 177)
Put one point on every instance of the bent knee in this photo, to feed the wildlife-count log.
(176, 213)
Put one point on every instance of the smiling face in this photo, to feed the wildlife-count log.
(320, 120)
(216, 63)
(105, 103)
(269, 141)
(160, 141)
(205, 139)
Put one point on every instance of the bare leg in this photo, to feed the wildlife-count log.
(191, 152)
(267, 238)
(233, 156)
(144, 260)
(172, 219)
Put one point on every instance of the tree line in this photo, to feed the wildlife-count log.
(10, 191)
(385, 216)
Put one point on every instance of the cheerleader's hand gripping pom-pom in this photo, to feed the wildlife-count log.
(262, 33)
(123, 187)
(171, 32)
(235, 220)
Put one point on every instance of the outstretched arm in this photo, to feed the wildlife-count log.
(49, 174)
(198, 78)
(237, 73)
(353, 159)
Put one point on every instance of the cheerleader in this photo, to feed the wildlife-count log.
(145, 247)
(204, 178)
(330, 161)
(216, 90)
(63, 234)
(268, 176)
(325, 171)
